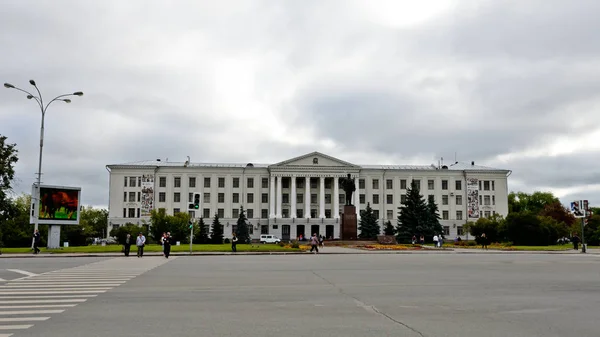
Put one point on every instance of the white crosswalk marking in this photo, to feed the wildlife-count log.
(32, 299)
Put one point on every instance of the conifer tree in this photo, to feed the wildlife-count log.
(242, 227)
(389, 228)
(216, 234)
(368, 226)
(201, 235)
(413, 218)
(433, 227)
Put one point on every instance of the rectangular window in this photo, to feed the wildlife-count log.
(327, 184)
(390, 199)
(176, 197)
(124, 196)
(444, 199)
(493, 188)
(459, 200)
(131, 196)
(313, 183)
(418, 184)
(221, 213)
(285, 198)
(124, 212)
(328, 213)
(207, 198)
(265, 198)
(236, 182)
(162, 182)
(235, 213)
(206, 213)
(220, 198)
(375, 199)
(139, 183)
(207, 182)
(327, 199)
(299, 213)
(390, 214)
(235, 198)
(265, 183)
(139, 196)
(376, 214)
(162, 197)
(177, 182)
(403, 199)
(313, 198)
(313, 213)
(444, 184)
(192, 182)
(342, 199)
(250, 213)
(192, 214)
(250, 183)
(125, 183)
(480, 185)
(375, 184)
(430, 184)
(487, 214)
(250, 198)
(486, 200)
(176, 211)
(480, 200)
(459, 215)
(264, 213)
(361, 184)
(221, 182)
(458, 185)
(493, 199)
(361, 199)
(389, 184)
(403, 184)
(486, 185)
(131, 212)
(285, 183)
(190, 197)
(299, 198)
(264, 229)
(444, 215)
(138, 212)
(132, 181)
(446, 230)
(459, 231)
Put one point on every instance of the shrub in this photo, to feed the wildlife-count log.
(281, 244)
(227, 240)
(295, 244)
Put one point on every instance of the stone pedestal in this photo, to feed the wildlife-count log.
(348, 226)
(53, 237)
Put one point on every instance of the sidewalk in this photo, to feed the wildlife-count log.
(325, 250)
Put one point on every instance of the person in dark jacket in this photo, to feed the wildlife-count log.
(36, 241)
(576, 240)
(167, 241)
(234, 241)
(127, 245)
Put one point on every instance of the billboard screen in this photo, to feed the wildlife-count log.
(58, 205)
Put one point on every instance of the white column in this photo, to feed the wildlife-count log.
(336, 198)
(357, 198)
(322, 198)
(293, 197)
(278, 214)
(307, 197)
(272, 198)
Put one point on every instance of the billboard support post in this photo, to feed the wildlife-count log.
(582, 236)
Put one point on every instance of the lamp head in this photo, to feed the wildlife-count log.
(66, 100)
(78, 93)
(8, 85)
(29, 96)
(32, 82)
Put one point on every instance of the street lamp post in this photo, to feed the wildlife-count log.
(40, 101)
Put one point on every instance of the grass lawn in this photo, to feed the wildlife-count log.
(158, 248)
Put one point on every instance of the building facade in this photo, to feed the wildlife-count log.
(302, 195)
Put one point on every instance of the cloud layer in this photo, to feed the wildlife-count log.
(511, 84)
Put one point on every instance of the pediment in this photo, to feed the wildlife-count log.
(314, 159)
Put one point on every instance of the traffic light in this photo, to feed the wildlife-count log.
(190, 224)
(196, 200)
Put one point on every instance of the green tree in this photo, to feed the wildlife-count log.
(493, 227)
(527, 228)
(535, 203)
(368, 226)
(433, 218)
(95, 220)
(201, 232)
(177, 224)
(8, 159)
(592, 230)
(388, 229)
(129, 228)
(216, 234)
(17, 230)
(413, 218)
(242, 227)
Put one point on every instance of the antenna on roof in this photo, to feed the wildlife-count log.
(455, 160)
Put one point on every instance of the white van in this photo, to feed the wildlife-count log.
(269, 239)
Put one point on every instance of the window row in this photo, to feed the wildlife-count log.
(404, 183)
(162, 182)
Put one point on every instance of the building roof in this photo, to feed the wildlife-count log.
(453, 167)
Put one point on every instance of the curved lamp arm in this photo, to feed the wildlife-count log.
(29, 95)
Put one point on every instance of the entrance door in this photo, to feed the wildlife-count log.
(329, 232)
(314, 229)
(300, 231)
(285, 233)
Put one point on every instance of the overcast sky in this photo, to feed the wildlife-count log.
(508, 84)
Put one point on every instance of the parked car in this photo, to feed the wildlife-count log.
(269, 239)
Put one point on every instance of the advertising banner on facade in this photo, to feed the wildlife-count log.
(57, 205)
(473, 198)
(147, 194)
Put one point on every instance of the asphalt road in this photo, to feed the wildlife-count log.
(334, 295)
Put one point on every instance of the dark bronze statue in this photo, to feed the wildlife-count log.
(349, 187)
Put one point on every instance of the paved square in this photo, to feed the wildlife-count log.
(328, 295)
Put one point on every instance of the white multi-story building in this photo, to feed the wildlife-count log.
(301, 195)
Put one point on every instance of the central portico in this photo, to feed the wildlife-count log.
(308, 187)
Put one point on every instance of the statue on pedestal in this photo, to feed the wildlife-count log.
(349, 187)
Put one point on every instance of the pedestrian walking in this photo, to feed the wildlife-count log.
(435, 241)
(575, 240)
(140, 242)
(167, 242)
(484, 241)
(36, 241)
(234, 241)
(314, 242)
(127, 244)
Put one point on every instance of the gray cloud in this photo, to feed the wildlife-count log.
(265, 81)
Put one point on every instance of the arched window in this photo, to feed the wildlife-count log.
(315, 160)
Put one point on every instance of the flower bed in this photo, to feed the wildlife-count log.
(388, 247)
